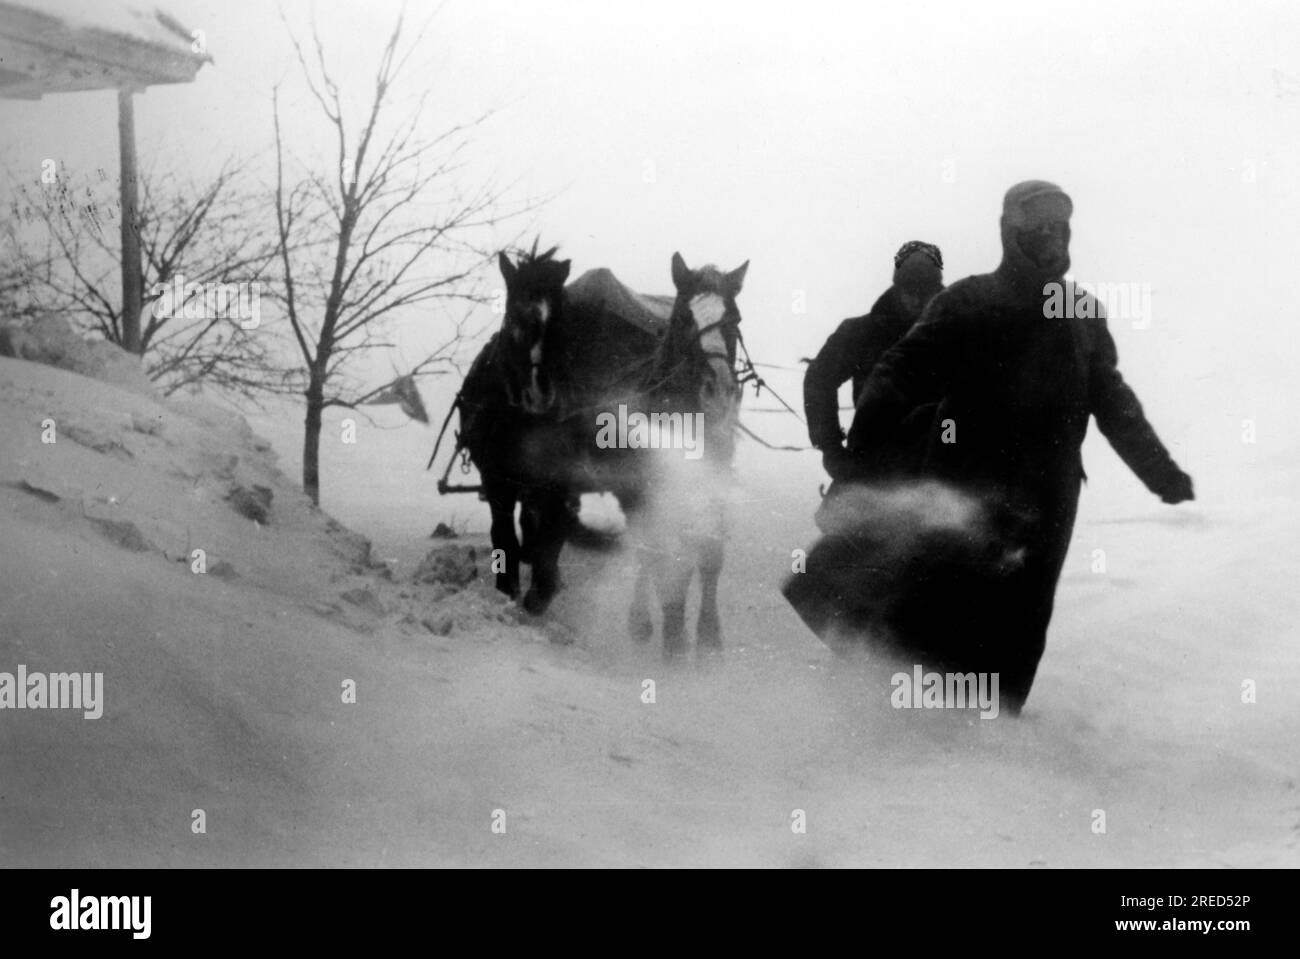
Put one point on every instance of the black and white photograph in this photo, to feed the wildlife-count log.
(675, 435)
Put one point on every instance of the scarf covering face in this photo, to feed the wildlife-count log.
(1026, 208)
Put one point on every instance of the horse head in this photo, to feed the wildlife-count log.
(530, 331)
(698, 355)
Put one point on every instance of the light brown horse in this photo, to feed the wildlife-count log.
(692, 387)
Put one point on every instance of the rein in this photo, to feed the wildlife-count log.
(707, 354)
(748, 373)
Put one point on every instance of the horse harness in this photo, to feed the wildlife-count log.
(747, 374)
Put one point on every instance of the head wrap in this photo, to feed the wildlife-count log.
(918, 246)
(1013, 204)
(918, 274)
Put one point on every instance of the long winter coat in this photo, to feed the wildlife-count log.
(1017, 390)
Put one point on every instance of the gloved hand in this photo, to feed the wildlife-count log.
(837, 461)
(1179, 491)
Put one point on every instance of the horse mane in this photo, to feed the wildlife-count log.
(532, 257)
(539, 272)
(710, 279)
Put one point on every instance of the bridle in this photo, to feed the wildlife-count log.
(501, 361)
(728, 322)
(725, 325)
(742, 377)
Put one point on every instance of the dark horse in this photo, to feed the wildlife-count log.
(515, 431)
(538, 410)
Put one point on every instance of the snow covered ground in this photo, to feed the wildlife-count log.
(225, 693)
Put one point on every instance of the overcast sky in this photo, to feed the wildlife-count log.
(814, 138)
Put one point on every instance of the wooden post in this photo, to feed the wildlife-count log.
(132, 277)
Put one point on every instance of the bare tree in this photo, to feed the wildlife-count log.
(195, 240)
(17, 267)
(387, 227)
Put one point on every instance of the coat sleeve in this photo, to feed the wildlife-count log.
(1120, 418)
(915, 370)
(831, 368)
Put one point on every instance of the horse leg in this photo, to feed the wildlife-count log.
(553, 521)
(639, 624)
(502, 504)
(530, 518)
(674, 581)
(708, 629)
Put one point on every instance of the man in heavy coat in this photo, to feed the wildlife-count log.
(850, 353)
(1017, 383)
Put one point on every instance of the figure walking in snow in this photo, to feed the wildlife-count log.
(1016, 388)
(850, 353)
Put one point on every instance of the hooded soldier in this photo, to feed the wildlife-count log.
(850, 353)
(1017, 386)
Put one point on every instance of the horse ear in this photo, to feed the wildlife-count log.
(507, 268)
(736, 278)
(681, 275)
(564, 270)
